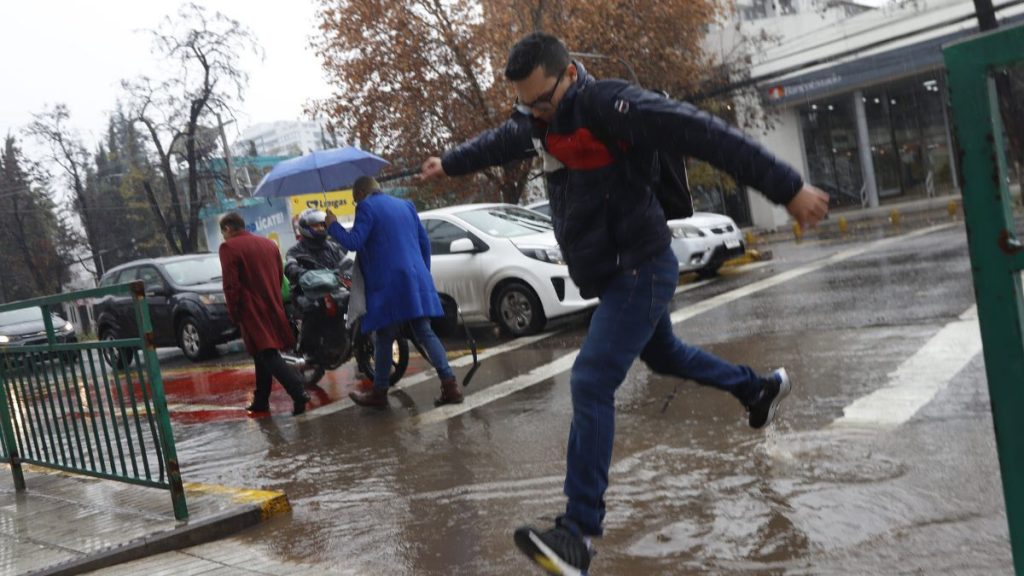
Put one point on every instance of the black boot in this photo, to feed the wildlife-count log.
(299, 404)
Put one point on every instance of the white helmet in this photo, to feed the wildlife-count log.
(309, 217)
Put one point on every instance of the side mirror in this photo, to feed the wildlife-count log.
(462, 245)
(157, 290)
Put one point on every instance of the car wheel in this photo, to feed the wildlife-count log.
(709, 271)
(518, 310)
(192, 341)
(117, 358)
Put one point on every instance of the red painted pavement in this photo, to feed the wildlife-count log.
(221, 393)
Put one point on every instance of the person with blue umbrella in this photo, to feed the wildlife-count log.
(394, 257)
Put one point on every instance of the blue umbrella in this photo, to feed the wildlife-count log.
(321, 171)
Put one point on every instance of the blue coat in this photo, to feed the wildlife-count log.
(394, 256)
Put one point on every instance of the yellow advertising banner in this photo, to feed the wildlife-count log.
(340, 202)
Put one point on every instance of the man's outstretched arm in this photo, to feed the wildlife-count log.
(649, 120)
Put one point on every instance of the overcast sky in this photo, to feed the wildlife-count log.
(78, 52)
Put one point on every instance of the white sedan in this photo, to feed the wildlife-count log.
(702, 242)
(500, 263)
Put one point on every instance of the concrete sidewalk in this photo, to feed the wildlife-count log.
(70, 524)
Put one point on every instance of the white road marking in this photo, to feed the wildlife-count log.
(498, 391)
(430, 373)
(916, 382)
(547, 371)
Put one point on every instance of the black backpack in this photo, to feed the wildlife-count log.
(665, 174)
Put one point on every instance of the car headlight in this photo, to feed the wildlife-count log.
(686, 231)
(550, 255)
(68, 327)
(4, 339)
(212, 298)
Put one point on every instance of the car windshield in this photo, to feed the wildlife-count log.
(19, 316)
(507, 221)
(193, 271)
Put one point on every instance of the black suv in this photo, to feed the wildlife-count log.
(186, 305)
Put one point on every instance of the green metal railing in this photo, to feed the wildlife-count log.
(95, 408)
(997, 256)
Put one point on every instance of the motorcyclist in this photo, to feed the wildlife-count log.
(313, 251)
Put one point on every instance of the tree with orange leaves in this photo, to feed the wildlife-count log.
(413, 77)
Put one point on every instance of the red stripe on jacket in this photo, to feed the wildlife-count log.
(580, 150)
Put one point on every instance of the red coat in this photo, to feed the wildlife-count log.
(252, 271)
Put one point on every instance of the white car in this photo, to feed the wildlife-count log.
(702, 242)
(500, 263)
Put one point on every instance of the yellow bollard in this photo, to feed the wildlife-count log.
(894, 217)
(842, 224)
(798, 232)
(952, 208)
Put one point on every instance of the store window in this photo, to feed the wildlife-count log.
(907, 135)
(830, 140)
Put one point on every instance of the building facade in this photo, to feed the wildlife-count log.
(283, 138)
(860, 101)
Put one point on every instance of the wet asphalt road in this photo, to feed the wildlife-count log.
(414, 491)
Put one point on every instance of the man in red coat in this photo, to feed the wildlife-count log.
(252, 272)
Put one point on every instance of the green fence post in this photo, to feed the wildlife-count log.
(994, 249)
(156, 382)
(7, 429)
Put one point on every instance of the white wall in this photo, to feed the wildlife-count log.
(785, 141)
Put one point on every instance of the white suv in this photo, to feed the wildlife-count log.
(500, 263)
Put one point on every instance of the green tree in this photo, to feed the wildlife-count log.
(121, 168)
(36, 259)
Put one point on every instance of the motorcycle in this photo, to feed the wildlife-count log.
(326, 337)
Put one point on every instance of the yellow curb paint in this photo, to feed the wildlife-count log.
(270, 503)
(749, 257)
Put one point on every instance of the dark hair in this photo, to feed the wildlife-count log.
(533, 50)
(365, 185)
(233, 221)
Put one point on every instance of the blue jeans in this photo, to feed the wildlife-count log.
(632, 319)
(385, 338)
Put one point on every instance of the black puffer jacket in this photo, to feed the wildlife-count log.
(605, 214)
(311, 255)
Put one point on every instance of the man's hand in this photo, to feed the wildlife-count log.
(431, 169)
(809, 206)
(331, 218)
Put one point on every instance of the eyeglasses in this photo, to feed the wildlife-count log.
(543, 102)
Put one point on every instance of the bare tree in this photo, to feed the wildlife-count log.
(178, 112)
(69, 154)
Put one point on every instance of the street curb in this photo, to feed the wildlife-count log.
(255, 506)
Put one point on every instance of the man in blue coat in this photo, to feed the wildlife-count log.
(394, 256)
